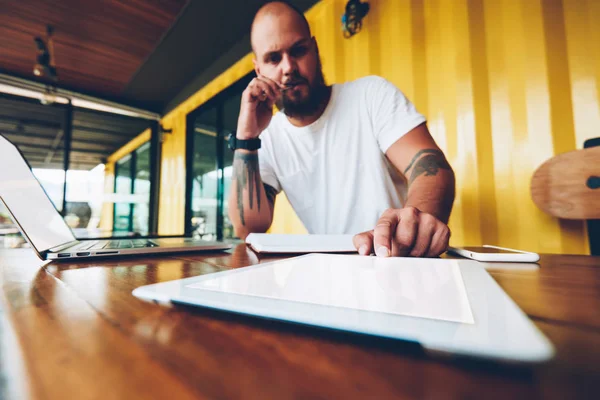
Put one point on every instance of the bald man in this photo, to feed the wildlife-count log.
(353, 158)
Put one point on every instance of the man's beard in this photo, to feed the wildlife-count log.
(308, 106)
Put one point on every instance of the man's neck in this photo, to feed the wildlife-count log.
(306, 120)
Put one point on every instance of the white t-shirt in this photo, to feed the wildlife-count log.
(334, 171)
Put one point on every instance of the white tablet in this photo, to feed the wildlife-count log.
(450, 306)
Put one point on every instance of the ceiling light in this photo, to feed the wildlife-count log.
(45, 66)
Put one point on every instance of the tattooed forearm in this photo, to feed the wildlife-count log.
(427, 162)
(246, 171)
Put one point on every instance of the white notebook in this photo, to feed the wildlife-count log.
(279, 243)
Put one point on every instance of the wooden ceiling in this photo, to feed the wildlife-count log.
(99, 44)
(149, 54)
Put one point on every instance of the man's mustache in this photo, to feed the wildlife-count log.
(295, 81)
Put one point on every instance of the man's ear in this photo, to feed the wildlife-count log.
(314, 42)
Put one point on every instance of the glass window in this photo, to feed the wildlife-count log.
(141, 188)
(231, 110)
(133, 196)
(85, 192)
(37, 130)
(211, 168)
(123, 207)
(204, 177)
(96, 136)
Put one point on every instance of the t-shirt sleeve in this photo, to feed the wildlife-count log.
(393, 115)
(266, 164)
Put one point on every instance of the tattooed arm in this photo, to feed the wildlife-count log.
(250, 202)
(420, 228)
(430, 183)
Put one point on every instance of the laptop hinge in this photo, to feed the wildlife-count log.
(62, 247)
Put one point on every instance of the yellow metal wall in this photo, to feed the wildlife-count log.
(505, 85)
(107, 213)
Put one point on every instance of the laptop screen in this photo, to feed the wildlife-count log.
(28, 203)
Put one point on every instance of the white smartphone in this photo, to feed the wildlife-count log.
(489, 253)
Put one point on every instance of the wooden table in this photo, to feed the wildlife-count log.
(74, 330)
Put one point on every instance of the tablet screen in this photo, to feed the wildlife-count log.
(421, 288)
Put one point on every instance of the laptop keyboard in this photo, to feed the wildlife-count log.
(114, 244)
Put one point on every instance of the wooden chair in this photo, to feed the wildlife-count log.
(568, 186)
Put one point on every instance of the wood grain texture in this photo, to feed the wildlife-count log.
(560, 188)
(99, 44)
(76, 328)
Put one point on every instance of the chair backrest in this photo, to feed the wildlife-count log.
(568, 186)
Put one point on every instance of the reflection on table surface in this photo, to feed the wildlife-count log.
(75, 328)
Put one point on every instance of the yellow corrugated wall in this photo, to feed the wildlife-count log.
(107, 214)
(505, 85)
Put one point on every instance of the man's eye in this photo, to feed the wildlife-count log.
(274, 58)
(298, 51)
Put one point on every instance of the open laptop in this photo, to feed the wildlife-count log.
(48, 234)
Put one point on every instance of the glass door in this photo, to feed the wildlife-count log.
(141, 190)
(231, 110)
(123, 208)
(132, 188)
(203, 218)
(209, 164)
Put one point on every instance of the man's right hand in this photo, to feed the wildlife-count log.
(256, 109)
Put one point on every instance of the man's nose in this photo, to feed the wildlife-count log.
(288, 65)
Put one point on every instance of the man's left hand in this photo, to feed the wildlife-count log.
(404, 232)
